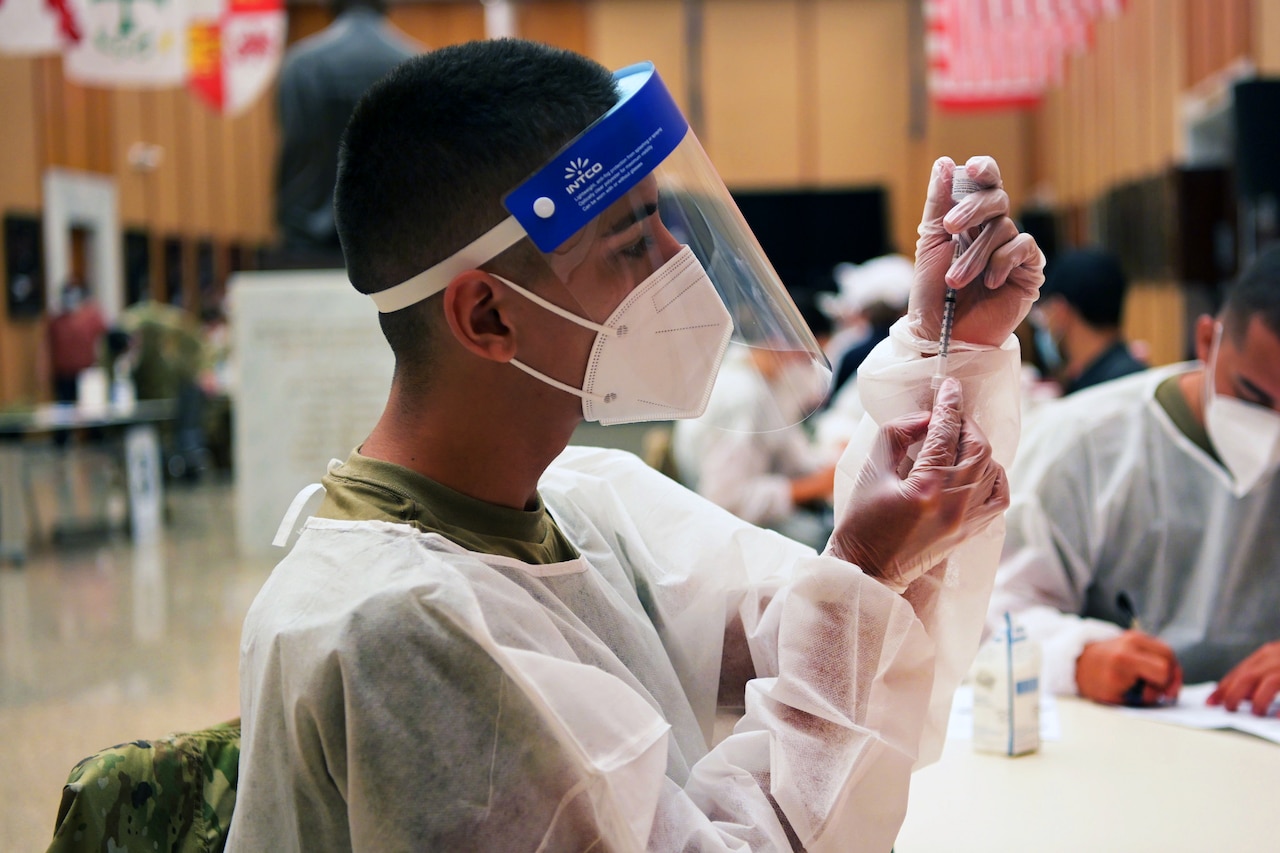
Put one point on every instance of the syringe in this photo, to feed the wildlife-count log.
(961, 186)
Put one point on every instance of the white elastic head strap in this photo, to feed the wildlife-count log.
(431, 281)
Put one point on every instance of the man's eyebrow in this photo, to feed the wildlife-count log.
(629, 219)
(1261, 396)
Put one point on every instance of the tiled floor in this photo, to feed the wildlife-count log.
(104, 642)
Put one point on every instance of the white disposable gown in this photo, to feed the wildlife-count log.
(1108, 495)
(401, 693)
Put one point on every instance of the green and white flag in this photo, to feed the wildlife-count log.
(135, 43)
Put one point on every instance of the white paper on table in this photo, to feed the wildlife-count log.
(960, 724)
(1192, 712)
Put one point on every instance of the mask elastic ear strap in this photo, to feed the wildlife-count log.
(555, 309)
(542, 377)
(572, 318)
(1208, 389)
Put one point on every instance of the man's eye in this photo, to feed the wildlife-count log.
(640, 248)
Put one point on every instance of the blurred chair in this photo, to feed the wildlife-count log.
(174, 793)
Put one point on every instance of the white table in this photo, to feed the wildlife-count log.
(1112, 782)
(132, 434)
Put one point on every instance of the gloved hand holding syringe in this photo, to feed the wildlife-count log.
(961, 186)
(980, 291)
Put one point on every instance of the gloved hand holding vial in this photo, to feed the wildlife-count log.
(1006, 267)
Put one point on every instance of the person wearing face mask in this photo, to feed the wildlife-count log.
(1078, 320)
(486, 640)
(775, 478)
(1151, 501)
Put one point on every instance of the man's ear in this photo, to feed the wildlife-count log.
(1205, 326)
(477, 313)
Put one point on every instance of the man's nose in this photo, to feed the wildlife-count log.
(665, 242)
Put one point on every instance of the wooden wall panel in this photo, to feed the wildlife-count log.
(229, 188)
(195, 201)
(863, 107)
(166, 182)
(20, 148)
(1104, 132)
(562, 23)
(1155, 314)
(51, 131)
(1219, 32)
(752, 85)
(440, 24)
(100, 122)
(1133, 107)
(1200, 17)
(622, 32)
(127, 130)
(24, 378)
(260, 167)
(1168, 50)
(863, 90)
(21, 151)
(1264, 29)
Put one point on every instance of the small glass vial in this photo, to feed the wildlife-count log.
(1006, 693)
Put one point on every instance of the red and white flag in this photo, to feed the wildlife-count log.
(986, 54)
(236, 47)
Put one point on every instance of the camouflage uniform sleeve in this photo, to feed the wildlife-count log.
(174, 793)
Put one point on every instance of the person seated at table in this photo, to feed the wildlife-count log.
(775, 478)
(1157, 494)
(1079, 313)
(769, 474)
(74, 335)
(873, 295)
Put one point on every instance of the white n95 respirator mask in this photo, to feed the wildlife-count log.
(657, 356)
(1245, 435)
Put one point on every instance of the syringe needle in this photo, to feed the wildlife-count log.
(961, 186)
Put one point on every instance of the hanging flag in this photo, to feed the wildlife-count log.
(985, 54)
(35, 27)
(235, 52)
(137, 43)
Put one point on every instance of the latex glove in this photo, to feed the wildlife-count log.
(997, 278)
(904, 517)
(1256, 678)
(1107, 669)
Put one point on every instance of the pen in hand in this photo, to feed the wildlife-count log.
(1133, 696)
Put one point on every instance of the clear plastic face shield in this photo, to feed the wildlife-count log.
(651, 278)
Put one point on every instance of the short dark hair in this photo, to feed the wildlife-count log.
(1092, 282)
(1256, 292)
(432, 147)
